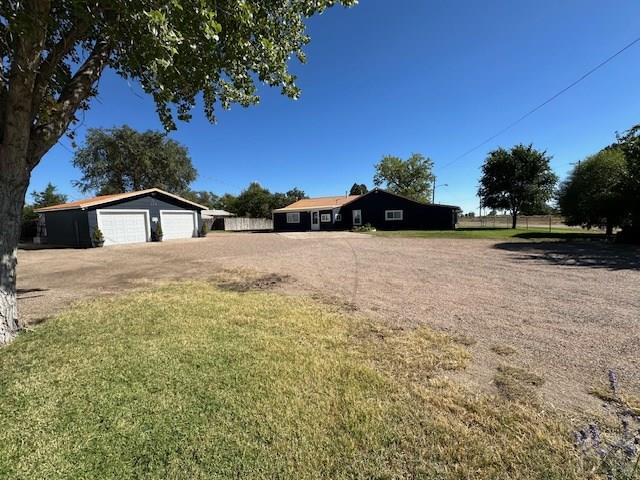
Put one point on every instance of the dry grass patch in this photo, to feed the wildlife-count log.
(413, 355)
(503, 350)
(465, 340)
(626, 402)
(189, 381)
(517, 384)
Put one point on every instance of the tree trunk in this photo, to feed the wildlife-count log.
(514, 219)
(11, 203)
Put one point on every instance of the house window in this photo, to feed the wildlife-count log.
(391, 215)
(325, 217)
(338, 217)
(293, 217)
(357, 217)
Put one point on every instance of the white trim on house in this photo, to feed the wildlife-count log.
(356, 214)
(393, 215)
(194, 232)
(101, 211)
(293, 217)
(325, 217)
(315, 215)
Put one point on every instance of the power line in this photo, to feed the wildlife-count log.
(549, 100)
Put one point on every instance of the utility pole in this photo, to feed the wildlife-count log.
(433, 190)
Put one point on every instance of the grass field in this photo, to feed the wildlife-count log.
(497, 233)
(188, 381)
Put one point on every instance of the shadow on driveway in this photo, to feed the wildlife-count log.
(576, 254)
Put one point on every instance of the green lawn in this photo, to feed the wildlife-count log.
(188, 381)
(496, 233)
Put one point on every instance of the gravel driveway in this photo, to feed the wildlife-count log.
(571, 311)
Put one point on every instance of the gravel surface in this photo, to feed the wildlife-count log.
(571, 311)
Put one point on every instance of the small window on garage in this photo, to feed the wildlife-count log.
(325, 217)
(338, 217)
(393, 215)
(293, 217)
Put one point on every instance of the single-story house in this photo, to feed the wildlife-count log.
(378, 208)
(131, 217)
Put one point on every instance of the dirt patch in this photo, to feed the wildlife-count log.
(251, 283)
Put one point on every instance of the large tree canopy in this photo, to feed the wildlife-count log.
(121, 159)
(518, 180)
(412, 178)
(629, 144)
(593, 195)
(54, 51)
(258, 202)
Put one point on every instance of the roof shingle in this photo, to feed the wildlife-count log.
(102, 199)
(318, 202)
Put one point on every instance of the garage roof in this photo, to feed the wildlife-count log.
(102, 199)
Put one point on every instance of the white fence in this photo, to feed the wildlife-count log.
(244, 224)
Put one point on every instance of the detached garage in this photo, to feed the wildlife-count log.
(122, 218)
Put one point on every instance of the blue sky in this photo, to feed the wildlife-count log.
(435, 77)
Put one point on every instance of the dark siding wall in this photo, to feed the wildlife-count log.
(280, 223)
(151, 203)
(326, 225)
(416, 216)
(68, 227)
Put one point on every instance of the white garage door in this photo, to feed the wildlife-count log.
(125, 226)
(177, 224)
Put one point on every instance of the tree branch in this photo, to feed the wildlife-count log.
(56, 54)
(78, 90)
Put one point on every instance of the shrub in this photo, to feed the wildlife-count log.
(159, 234)
(204, 229)
(97, 237)
(367, 227)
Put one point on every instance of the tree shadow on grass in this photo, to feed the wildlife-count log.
(30, 292)
(576, 254)
(578, 235)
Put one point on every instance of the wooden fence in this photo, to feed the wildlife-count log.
(504, 221)
(244, 224)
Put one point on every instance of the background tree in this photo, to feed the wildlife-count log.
(202, 197)
(629, 144)
(54, 51)
(280, 200)
(121, 159)
(358, 189)
(593, 195)
(227, 202)
(254, 201)
(47, 197)
(412, 178)
(516, 180)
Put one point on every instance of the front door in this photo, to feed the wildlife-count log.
(357, 217)
(315, 220)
